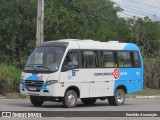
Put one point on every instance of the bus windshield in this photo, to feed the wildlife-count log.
(45, 59)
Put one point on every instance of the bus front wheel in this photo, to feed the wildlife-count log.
(35, 101)
(70, 99)
(118, 99)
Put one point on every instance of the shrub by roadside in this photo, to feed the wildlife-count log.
(9, 78)
(152, 73)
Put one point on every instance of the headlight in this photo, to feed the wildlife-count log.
(22, 81)
(50, 82)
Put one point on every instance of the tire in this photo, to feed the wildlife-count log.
(118, 99)
(89, 101)
(35, 101)
(70, 99)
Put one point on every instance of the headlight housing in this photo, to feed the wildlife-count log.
(22, 81)
(50, 82)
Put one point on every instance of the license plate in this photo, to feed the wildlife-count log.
(32, 88)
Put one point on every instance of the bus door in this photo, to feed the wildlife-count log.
(92, 74)
(72, 75)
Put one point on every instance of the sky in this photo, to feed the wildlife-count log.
(139, 8)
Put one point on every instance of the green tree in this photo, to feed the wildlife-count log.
(145, 33)
(85, 19)
(17, 29)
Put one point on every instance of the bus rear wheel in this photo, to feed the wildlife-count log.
(89, 101)
(70, 99)
(36, 101)
(118, 99)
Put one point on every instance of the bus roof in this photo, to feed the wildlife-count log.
(91, 44)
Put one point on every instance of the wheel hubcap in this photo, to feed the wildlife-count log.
(120, 97)
(71, 99)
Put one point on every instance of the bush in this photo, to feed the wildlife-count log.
(152, 73)
(9, 78)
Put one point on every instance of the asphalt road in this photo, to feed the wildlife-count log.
(130, 105)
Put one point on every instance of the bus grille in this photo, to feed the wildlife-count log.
(34, 86)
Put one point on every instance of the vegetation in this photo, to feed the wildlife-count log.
(80, 19)
(152, 73)
(147, 92)
(9, 78)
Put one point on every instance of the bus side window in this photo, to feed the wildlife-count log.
(124, 59)
(107, 59)
(136, 60)
(71, 61)
(89, 59)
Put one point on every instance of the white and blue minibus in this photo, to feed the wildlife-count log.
(71, 69)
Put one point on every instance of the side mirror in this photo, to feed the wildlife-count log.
(64, 69)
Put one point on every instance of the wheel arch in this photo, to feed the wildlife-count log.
(75, 88)
(123, 87)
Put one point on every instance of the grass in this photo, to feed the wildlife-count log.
(9, 78)
(10, 72)
(147, 92)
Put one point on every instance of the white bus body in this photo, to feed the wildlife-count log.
(65, 70)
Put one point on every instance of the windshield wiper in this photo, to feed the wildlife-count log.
(35, 67)
(43, 66)
(30, 66)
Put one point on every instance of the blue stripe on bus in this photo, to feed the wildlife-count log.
(130, 46)
(44, 87)
(23, 86)
(35, 78)
(130, 78)
(132, 81)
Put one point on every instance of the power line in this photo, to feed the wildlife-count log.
(140, 10)
(136, 11)
(120, 4)
(143, 13)
(123, 4)
(144, 4)
(127, 14)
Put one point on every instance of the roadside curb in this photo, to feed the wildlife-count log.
(147, 97)
(138, 97)
(2, 97)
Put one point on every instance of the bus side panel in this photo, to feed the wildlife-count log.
(84, 91)
(131, 78)
(93, 82)
(100, 89)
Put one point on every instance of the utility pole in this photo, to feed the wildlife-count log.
(40, 23)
